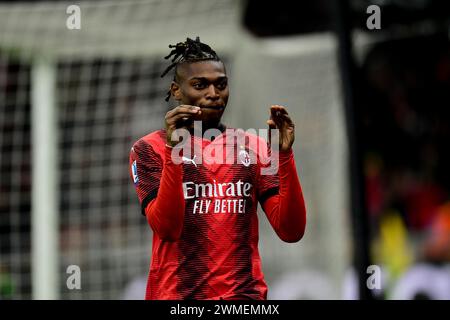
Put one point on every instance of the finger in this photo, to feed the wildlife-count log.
(278, 123)
(184, 109)
(183, 115)
(187, 107)
(276, 118)
(180, 117)
(271, 124)
(274, 111)
(277, 109)
(174, 117)
(287, 119)
(286, 122)
(281, 113)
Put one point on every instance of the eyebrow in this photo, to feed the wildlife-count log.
(206, 79)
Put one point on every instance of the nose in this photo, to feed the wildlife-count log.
(212, 93)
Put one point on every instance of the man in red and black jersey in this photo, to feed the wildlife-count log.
(201, 200)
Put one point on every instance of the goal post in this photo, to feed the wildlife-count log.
(45, 213)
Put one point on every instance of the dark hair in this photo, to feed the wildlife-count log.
(188, 51)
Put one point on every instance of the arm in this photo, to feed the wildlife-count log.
(158, 183)
(286, 211)
(165, 213)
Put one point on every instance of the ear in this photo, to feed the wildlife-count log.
(175, 90)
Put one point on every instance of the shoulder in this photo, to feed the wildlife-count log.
(153, 142)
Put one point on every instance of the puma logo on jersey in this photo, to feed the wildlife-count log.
(187, 160)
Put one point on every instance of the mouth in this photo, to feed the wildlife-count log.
(213, 107)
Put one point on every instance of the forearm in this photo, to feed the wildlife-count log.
(287, 211)
(165, 214)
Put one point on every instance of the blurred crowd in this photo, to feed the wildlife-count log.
(406, 133)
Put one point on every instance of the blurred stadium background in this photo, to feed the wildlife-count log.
(72, 102)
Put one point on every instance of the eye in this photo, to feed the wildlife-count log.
(222, 85)
(199, 85)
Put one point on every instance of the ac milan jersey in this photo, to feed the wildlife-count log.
(216, 256)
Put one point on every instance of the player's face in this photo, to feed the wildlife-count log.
(203, 84)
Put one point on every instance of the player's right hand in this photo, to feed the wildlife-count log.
(181, 116)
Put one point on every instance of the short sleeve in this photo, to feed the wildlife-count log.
(145, 171)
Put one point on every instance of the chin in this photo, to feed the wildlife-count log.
(210, 122)
(211, 115)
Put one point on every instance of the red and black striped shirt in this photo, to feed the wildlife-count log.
(204, 214)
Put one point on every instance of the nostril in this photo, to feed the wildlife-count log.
(212, 91)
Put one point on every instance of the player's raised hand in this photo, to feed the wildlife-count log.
(279, 119)
(181, 116)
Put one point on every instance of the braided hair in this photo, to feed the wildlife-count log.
(188, 51)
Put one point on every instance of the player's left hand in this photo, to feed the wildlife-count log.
(279, 119)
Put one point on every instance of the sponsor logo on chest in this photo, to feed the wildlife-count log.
(235, 194)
